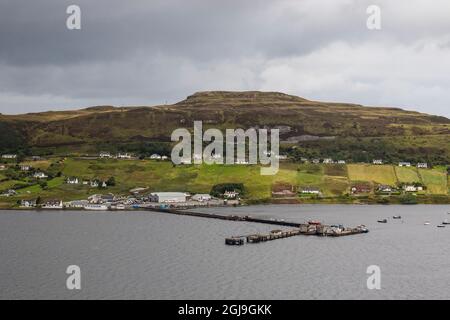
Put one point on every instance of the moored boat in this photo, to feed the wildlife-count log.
(396, 217)
(382, 221)
(234, 241)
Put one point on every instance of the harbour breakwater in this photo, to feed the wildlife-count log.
(309, 228)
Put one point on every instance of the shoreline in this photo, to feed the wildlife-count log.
(213, 207)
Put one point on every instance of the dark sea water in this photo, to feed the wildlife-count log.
(142, 255)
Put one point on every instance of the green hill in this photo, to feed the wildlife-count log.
(346, 131)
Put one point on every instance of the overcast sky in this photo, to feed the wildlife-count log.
(150, 52)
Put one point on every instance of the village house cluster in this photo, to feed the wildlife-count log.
(102, 202)
(128, 156)
(95, 183)
(12, 156)
(387, 189)
(422, 165)
(355, 189)
(155, 156)
(108, 155)
(218, 157)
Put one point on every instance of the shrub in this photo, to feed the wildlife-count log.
(408, 199)
(219, 189)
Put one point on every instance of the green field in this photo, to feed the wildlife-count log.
(435, 180)
(407, 174)
(383, 174)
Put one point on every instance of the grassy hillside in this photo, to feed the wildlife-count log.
(333, 180)
(347, 131)
(384, 174)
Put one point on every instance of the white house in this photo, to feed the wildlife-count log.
(341, 162)
(53, 204)
(25, 168)
(230, 194)
(28, 203)
(72, 181)
(404, 164)
(316, 161)
(310, 190)
(105, 154)
(164, 157)
(40, 175)
(384, 188)
(167, 197)
(281, 157)
(9, 156)
(412, 188)
(328, 161)
(155, 156)
(77, 204)
(2, 167)
(95, 198)
(201, 197)
(377, 161)
(94, 184)
(422, 165)
(124, 156)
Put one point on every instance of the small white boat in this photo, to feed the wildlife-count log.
(427, 223)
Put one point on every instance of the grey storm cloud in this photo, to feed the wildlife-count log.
(151, 52)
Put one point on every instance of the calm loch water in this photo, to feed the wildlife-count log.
(140, 255)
